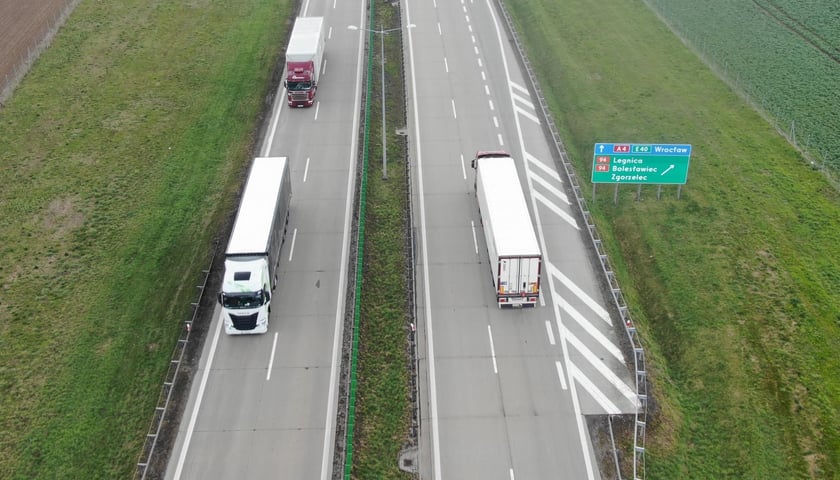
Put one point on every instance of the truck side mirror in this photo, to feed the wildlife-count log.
(220, 298)
(472, 163)
(266, 296)
(285, 83)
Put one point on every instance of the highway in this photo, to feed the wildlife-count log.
(504, 393)
(263, 406)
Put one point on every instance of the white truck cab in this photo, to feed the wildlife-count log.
(246, 296)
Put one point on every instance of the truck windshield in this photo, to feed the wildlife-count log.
(298, 85)
(242, 300)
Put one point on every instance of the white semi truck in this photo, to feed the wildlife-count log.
(515, 258)
(253, 252)
(304, 55)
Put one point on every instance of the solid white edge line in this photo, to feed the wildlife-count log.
(592, 304)
(275, 119)
(589, 328)
(537, 196)
(430, 344)
(590, 475)
(522, 99)
(194, 416)
(520, 88)
(548, 186)
(492, 350)
(609, 407)
(271, 358)
(527, 114)
(532, 160)
(602, 367)
(329, 424)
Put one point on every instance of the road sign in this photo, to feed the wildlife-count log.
(640, 163)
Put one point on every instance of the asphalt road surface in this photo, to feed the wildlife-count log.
(263, 406)
(504, 393)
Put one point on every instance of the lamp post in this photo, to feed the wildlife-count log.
(382, 33)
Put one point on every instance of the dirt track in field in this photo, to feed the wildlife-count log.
(23, 25)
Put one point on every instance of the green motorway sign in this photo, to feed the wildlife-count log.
(640, 163)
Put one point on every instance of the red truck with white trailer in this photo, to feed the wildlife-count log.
(515, 258)
(304, 55)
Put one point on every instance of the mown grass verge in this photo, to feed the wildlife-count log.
(735, 286)
(122, 151)
(383, 410)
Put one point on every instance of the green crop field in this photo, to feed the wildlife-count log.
(122, 151)
(736, 285)
(783, 54)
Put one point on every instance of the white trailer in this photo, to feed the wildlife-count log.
(253, 252)
(515, 258)
(304, 55)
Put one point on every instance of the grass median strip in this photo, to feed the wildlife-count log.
(382, 403)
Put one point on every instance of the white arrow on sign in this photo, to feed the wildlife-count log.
(667, 169)
(601, 148)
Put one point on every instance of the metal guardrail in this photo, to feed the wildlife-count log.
(169, 380)
(609, 274)
(343, 455)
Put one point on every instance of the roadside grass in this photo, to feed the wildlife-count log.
(383, 409)
(122, 152)
(735, 286)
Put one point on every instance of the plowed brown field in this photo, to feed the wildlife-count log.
(23, 24)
